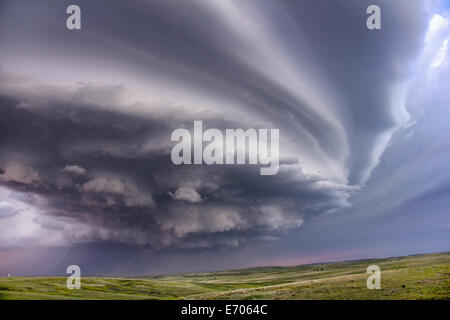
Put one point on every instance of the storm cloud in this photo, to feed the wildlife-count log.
(86, 115)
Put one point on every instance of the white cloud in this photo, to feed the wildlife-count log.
(440, 57)
(21, 229)
(186, 194)
(434, 54)
(276, 218)
(187, 220)
(75, 169)
(17, 172)
(436, 24)
(131, 194)
(7, 210)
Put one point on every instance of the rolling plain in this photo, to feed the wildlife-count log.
(411, 277)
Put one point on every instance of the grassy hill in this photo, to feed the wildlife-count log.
(411, 277)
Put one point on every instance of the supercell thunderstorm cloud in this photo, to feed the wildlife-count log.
(86, 118)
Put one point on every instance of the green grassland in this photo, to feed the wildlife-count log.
(411, 277)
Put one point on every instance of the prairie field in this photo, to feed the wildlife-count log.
(411, 277)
